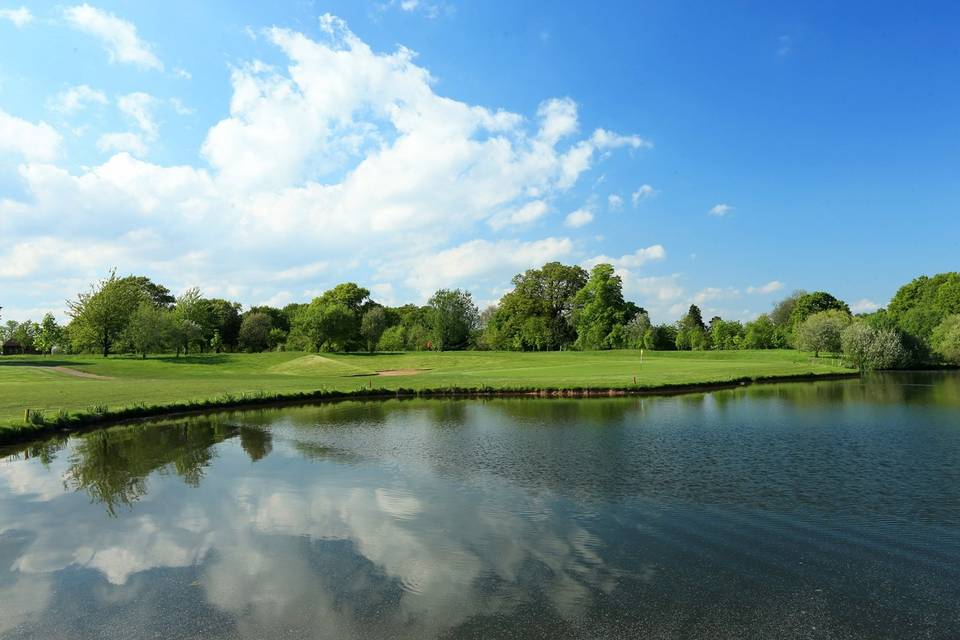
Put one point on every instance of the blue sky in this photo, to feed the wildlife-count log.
(723, 155)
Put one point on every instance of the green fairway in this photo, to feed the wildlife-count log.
(79, 384)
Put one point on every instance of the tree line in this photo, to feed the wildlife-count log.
(554, 307)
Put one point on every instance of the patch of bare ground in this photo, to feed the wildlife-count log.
(76, 373)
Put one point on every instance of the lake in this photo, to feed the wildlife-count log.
(813, 510)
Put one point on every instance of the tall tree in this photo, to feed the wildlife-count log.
(225, 319)
(150, 328)
(599, 311)
(101, 315)
(158, 294)
(945, 339)
(922, 304)
(325, 325)
(255, 332)
(816, 302)
(453, 318)
(691, 331)
(194, 320)
(760, 333)
(372, 326)
(537, 313)
(50, 334)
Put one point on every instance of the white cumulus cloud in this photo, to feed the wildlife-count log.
(527, 213)
(482, 260)
(35, 142)
(720, 210)
(578, 218)
(864, 306)
(341, 149)
(638, 258)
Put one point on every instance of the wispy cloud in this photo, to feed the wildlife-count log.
(615, 202)
(74, 99)
(784, 45)
(424, 7)
(124, 141)
(118, 36)
(720, 210)
(180, 108)
(770, 287)
(19, 17)
(138, 106)
(642, 193)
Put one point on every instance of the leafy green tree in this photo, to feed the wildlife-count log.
(393, 339)
(325, 325)
(760, 333)
(453, 318)
(216, 342)
(254, 335)
(194, 319)
(277, 339)
(101, 315)
(150, 328)
(726, 335)
(599, 310)
(821, 332)
(782, 313)
(635, 331)
(372, 326)
(50, 334)
(691, 331)
(278, 318)
(945, 339)
(537, 313)
(156, 293)
(25, 333)
(816, 302)
(224, 317)
(921, 305)
(661, 337)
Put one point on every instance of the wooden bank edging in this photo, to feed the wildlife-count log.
(71, 423)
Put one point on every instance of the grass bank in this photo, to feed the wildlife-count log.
(45, 393)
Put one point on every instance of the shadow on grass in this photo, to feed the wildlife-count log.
(367, 354)
(6, 362)
(204, 358)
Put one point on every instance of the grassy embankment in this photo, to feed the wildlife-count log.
(62, 391)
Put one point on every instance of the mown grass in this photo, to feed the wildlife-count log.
(131, 387)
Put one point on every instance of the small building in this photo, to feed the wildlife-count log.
(12, 348)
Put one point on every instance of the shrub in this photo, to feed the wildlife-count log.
(867, 347)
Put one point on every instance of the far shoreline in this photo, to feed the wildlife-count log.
(80, 422)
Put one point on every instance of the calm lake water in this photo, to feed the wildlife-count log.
(823, 510)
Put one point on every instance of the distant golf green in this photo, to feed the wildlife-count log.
(83, 384)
